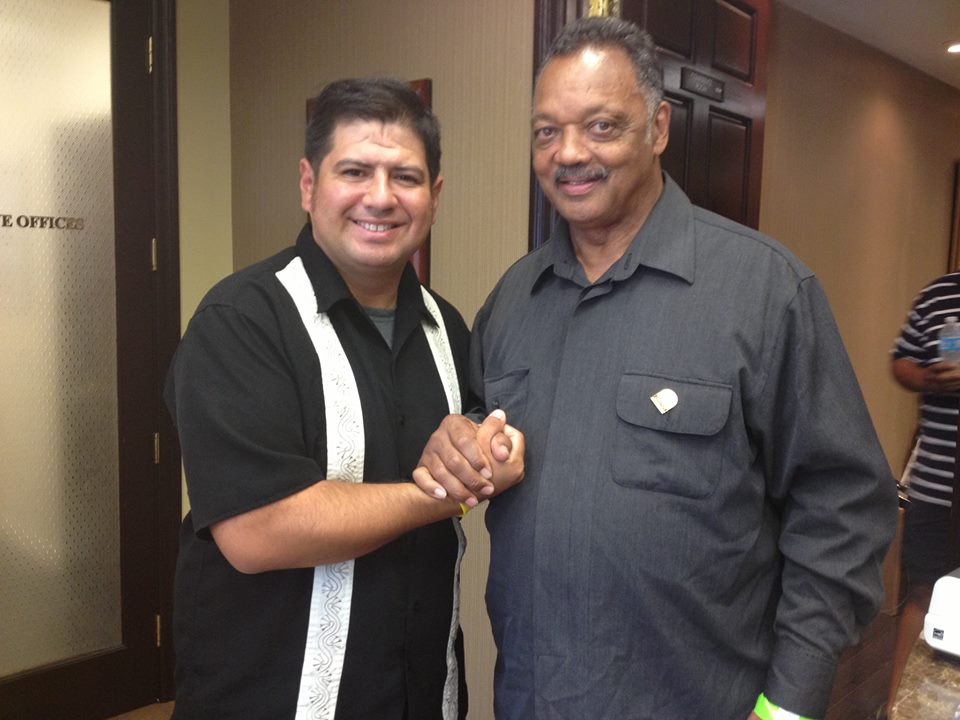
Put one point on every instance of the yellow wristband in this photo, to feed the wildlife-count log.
(464, 509)
(766, 710)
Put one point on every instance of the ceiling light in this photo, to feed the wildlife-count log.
(953, 47)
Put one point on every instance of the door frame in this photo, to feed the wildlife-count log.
(549, 18)
(148, 286)
(169, 474)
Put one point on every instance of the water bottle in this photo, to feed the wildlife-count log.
(949, 347)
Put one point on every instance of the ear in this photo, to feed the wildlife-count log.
(307, 181)
(435, 196)
(660, 129)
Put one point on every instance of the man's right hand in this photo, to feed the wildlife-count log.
(470, 462)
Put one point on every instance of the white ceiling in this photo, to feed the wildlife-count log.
(914, 31)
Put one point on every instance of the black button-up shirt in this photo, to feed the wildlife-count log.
(246, 393)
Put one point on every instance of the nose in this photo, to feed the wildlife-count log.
(572, 150)
(380, 192)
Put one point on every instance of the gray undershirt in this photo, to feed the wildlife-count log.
(383, 320)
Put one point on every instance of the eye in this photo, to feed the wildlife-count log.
(352, 172)
(544, 134)
(602, 128)
(408, 178)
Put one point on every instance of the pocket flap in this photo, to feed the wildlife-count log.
(693, 407)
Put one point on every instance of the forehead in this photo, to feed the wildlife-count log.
(592, 76)
(375, 140)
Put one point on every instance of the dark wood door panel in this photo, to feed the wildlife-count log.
(719, 88)
(728, 158)
(716, 94)
(735, 35)
(713, 54)
(671, 22)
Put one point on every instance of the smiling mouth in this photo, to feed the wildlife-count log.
(578, 186)
(374, 227)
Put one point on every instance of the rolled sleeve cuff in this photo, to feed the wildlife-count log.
(800, 681)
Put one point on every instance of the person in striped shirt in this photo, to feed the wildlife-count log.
(929, 476)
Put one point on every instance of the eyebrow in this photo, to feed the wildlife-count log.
(592, 110)
(353, 162)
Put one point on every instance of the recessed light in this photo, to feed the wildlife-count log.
(953, 47)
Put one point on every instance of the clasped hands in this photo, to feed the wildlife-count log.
(468, 462)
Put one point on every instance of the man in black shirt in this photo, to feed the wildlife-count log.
(313, 581)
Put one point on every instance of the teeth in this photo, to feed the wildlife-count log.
(372, 227)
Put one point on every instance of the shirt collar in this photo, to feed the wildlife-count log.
(330, 288)
(666, 242)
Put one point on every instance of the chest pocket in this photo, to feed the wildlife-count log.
(679, 451)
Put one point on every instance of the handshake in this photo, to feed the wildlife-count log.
(468, 462)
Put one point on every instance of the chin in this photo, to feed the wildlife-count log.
(576, 213)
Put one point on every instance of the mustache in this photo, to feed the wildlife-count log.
(580, 173)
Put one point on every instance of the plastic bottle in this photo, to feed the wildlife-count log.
(949, 347)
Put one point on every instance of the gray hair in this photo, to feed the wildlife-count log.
(612, 31)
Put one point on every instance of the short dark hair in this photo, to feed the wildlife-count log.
(612, 31)
(380, 99)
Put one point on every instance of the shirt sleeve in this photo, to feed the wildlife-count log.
(917, 341)
(828, 478)
(239, 415)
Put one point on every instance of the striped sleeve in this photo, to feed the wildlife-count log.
(933, 305)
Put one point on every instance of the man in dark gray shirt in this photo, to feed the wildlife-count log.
(706, 506)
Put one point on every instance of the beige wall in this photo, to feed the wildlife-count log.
(478, 56)
(203, 153)
(203, 127)
(857, 180)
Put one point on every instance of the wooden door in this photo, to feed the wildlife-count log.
(714, 55)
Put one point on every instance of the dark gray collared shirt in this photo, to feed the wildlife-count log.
(675, 564)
